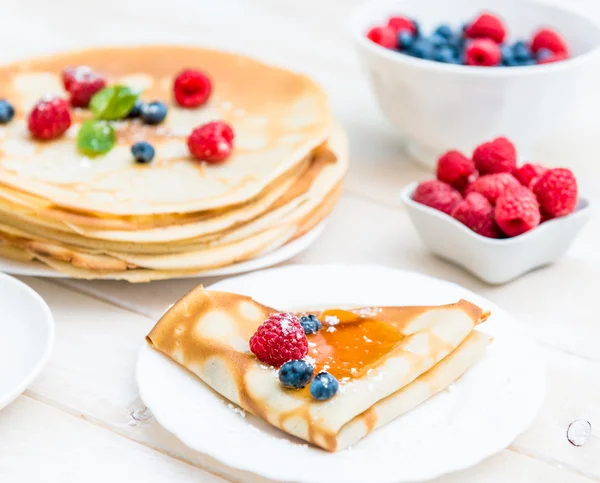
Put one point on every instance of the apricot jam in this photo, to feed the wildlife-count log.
(349, 344)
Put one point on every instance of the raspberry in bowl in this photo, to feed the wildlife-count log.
(434, 100)
(501, 224)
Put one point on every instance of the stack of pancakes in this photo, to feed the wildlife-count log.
(108, 217)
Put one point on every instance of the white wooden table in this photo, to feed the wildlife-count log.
(81, 420)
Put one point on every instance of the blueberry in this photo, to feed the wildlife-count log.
(437, 40)
(136, 110)
(310, 324)
(443, 31)
(457, 42)
(527, 62)
(422, 49)
(296, 374)
(405, 40)
(324, 386)
(508, 57)
(154, 112)
(143, 152)
(543, 54)
(417, 28)
(7, 112)
(445, 54)
(521, 51)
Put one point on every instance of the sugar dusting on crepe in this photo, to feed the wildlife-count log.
(331, 320)
(237, 410)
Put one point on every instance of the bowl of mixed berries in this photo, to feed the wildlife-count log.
(453, 73)
(494, 216)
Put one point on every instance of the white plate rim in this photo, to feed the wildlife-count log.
(525, 419)
(265, 260)
(48, 321)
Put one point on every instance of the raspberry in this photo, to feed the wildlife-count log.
(402, 24)
(49, 118)
(437, 195)
(477, 213)
(279, 339)
(383, 36)
(556, 191)
(551, 40)
(483, 53)
(486, 26)
(529, 173)
(192, 88)
(492, 186)
(455, 169)
(497, 156)
(82, 83)
(69, 74)
(211, 142)
(517, 211)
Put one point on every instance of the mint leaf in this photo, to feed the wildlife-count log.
(95, 137)
(113, 102)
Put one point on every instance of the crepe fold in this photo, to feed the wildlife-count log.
(387, 359)
(109, 218)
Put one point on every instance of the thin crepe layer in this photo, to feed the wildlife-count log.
(82, 265)
(208, 333)
(146, 229)
(325, 171)
(279, 118)
(271, 231)
(435, 380)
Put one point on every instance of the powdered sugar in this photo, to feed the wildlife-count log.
(237, 410)
(367, 339)
(330, 329)
(367, 311)
(331, 320)
(310, 360)
(286, 325)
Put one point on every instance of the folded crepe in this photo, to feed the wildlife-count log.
(387, 360)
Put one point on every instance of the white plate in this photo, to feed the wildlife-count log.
(38, 269)
(481, 415)
(27, 330)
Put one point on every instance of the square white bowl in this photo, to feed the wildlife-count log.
(494, 261)
(436, 106)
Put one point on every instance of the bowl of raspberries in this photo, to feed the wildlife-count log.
(494, 216)
(450, 73)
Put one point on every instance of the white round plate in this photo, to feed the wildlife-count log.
(27, 329)
(478, 416)
(38, 269)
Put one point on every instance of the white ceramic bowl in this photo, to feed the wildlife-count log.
(494, 261)
(438, 106)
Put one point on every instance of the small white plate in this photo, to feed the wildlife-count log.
(38, 269)
(495, 261)
(480, 415)
(27, 329)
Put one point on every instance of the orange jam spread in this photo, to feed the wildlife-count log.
(349, 344)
